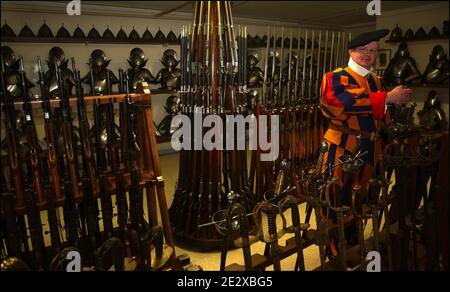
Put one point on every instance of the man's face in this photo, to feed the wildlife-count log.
(365, 56)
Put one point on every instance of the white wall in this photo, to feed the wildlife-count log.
(414, 18)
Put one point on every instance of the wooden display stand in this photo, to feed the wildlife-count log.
(150, 178)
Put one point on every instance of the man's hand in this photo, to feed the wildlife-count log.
(400, 94)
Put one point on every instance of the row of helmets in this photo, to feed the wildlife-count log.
(402, 68)
(93, 34)
(397, 33)
(167, 77)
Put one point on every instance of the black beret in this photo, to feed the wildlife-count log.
(367, 37)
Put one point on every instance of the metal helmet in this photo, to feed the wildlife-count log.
(257, 41)
(56, 54)
(7, 31)
(26, 32)
(172, 104)
(250, 40)
(93, 33)
(252, 58)
(438, 53)
(170, 52)
(420, 34)
(137, 58)
(108, 34)
(9, 58)
(98, 58)
(171, 37)
(409, 35)
(78, 33)
(45, 31)
(169, 61)
(63, 32)
(264, 40)
(403, 49)
(432, 101)
(134, 35)
(434, 32)
(121, 35)
(396, 34)
(147, 36)
(159, 36)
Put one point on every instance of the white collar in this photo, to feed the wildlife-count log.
(358, 68)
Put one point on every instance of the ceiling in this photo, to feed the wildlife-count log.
(338, 13)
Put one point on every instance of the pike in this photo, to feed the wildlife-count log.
(287, 108)
(303, 107)
(337, 50)
(177, 198)
(308, 107)
(330, 68)
(316, 105)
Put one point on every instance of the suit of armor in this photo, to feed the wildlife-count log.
(432, 117)
(137, 73)
(437, 69)
(56, 54)
(169, 77)
(255, 75)
(402, 68)
(99, 68)
(12, 76)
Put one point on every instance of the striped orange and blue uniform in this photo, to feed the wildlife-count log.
(351, 101)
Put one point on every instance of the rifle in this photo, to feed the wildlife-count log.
(88, 177)
(70, 177)
(35, 225)
(49, 126)
(33, 145)
(13, 246)
(69, 147)
(136, 214)
(121, 196)
(13, 143)
(105, 195)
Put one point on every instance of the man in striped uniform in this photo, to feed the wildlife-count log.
(354, 101)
